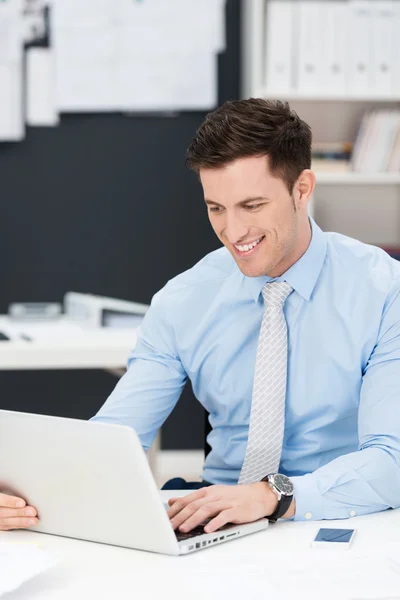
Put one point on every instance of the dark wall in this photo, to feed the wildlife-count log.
(103, 204)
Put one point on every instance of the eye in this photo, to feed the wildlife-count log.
(252, 206)
(214, 209)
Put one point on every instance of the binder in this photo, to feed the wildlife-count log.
(383, 41)
(364, 147)
(310, 79)
(396, 50)
(394, 159)
(387, 135)
(360, 51)
(392, 140)
(279, 30)
(373, 148)
(334, 26)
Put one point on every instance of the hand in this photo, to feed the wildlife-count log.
(222, 504)
(15, 514)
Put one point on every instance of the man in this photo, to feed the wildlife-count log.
(290, 337)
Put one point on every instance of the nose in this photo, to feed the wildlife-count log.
(235, 229)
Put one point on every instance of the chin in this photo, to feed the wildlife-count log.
(251, 271)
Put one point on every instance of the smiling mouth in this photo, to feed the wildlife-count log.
(247, 249)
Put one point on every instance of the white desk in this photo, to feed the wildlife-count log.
(100, 348)
(232, 570)
(88, 349)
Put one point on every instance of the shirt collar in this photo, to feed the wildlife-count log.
(303, 275)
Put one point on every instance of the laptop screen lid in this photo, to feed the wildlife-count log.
(87, 480)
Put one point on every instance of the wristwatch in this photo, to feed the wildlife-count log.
(283, 489)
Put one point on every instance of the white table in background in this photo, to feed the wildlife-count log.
(62, 344)
(231, 570)
(75, 348)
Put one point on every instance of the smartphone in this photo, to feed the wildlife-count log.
(334, 538)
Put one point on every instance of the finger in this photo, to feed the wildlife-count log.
(17, 523)
(224, 517)
(205, 512)
(11, 501)
(191, 508)
(7, 513)
(187, 511)
(181, 503)
(171, 501)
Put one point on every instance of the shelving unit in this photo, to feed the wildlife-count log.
(363, 205)
(265, 93)
(357, 178)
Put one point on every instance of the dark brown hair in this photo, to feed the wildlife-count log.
(253, 127)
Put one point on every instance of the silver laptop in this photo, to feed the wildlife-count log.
(92, 481)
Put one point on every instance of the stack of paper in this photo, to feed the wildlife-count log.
(21, 562)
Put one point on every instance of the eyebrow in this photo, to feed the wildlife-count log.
(240, 203)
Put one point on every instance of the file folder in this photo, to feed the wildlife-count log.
(279, 28)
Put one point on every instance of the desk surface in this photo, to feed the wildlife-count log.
(64, 345)
(231, 570)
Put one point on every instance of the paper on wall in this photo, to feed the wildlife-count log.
(40, 88)
(11, 88)
(119, 55)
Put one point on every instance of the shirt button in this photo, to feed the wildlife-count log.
(353, 513)
(308, 515)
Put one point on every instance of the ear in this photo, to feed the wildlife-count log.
(304, 188)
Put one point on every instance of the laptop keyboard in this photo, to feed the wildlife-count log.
(181, 536)
(199, 530)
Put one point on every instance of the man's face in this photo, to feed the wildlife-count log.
(253, 215)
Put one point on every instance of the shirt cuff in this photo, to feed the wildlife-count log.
(311, 505)
(307, 497)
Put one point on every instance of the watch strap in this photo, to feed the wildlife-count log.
(284, 501)
(282, 508)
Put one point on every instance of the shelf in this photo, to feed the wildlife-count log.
(357, 178)
(310, 97)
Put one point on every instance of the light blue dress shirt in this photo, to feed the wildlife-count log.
(341, 445)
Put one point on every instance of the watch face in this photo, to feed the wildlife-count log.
(283, 484)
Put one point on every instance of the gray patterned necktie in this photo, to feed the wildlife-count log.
(267, 417)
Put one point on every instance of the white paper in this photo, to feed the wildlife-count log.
(40, 88)
(85, 68)
(21, 562)
(11, 48)
(119, 55)
(83, 14)
(177, 25)
(174, 82)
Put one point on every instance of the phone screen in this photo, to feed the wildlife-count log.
(334, 535)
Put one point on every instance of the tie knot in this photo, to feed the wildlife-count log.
(275, 293)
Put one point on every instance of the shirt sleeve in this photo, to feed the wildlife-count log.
(368, 480)
(145, 396)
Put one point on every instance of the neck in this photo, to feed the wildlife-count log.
(297, 252)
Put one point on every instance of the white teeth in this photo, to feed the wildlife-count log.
(248, 247)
